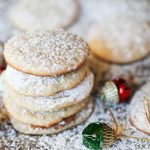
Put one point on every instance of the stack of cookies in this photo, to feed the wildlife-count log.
(47, 81)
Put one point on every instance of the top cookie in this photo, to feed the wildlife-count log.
(46, 53)
(50, 14)
(120, 40)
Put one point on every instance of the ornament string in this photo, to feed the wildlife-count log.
(119, 133)
(134, 137)
(117, 126)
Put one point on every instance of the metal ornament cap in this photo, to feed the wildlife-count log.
(109, 93)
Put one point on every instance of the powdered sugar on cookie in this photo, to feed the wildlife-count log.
(102, 9)
(26, 14)
(57, 101)
(43, 86)
(139, 109)
(46, 53)
(129, 36)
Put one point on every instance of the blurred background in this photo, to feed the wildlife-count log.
(85, 13)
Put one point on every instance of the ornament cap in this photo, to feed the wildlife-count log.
(116, 91)
(110, 93)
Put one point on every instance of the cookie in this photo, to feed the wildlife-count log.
(46, 53)
(99, 68)
(78, 119)
(31, 15)
(139, 111)
(55, 102)
(32, 85)
(41, 118)
(122, 40)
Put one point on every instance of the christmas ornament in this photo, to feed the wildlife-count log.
(116, 91)
(2, 69)
(97, 136)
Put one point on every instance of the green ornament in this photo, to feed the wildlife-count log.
(98, 135)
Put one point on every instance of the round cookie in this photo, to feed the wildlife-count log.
(58, 101)
(99, 68)
(46, 53)
(41, 118)
(79, 118)
(32, 85)
(50, 14)
(122, 40)
(139, 115)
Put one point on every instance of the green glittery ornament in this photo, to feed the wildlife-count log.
(98, 135)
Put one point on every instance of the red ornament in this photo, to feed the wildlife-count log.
(124, 93)
(124, 90)
(2, 69)
(119, 81)
(116, 91)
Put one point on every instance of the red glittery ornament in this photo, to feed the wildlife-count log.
(119, 81)
(124, 90)
(2, 69)
(116, 91)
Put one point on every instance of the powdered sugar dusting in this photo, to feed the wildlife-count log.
(129, 37)
(41, 118)
(43, 86)
(72, 139)
(78, 118)
(138, 108)
(55, 102)
(52, 14)
(100, 10)
(46, 52)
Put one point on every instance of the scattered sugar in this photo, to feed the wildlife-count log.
(71, 139)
